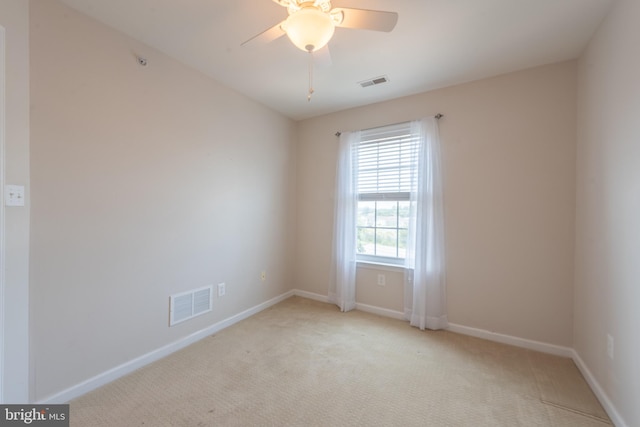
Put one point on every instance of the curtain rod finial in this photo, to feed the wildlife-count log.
(439, 116)
(338, 133)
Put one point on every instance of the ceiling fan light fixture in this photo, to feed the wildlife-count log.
(309, 29)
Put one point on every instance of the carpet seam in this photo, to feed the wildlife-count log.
(576, 411)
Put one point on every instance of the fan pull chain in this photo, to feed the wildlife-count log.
(310, 75)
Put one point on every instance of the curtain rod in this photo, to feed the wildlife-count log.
(437, 116)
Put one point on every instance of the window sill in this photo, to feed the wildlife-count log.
(380, 266)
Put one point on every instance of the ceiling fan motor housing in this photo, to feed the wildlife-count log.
(295, 5)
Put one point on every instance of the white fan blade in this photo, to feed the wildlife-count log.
(322, 57)
(267, 36)
(376, 20)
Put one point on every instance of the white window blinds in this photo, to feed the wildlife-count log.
(386, 163)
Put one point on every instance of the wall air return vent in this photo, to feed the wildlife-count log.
(187, 305)
(374, 81)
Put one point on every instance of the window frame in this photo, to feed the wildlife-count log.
(398, 135)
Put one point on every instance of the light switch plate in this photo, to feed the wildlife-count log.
(14, 195)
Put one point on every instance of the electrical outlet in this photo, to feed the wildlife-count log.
(382, 280)
(610, 346)
(263, 276)
(222, 289)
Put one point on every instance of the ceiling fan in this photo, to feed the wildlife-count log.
(311, 24)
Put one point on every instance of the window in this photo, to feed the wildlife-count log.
(388, 206)
(385, 168)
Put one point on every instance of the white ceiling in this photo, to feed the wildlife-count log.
(436, 43)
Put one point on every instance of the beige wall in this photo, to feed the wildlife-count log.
(14, 18)
(607, 290)
(509, 180)
(147, 181)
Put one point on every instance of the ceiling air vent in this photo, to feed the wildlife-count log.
(374, 81)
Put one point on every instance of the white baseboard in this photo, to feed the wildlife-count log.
(311, 295)
(598, 391)
(130, 366)
(380, 311)
(359, 306)
(511, 340)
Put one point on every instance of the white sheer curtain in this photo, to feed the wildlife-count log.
(425, 298)
(342, 287)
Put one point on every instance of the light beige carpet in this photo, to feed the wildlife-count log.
(303, 363)
(561, 384)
